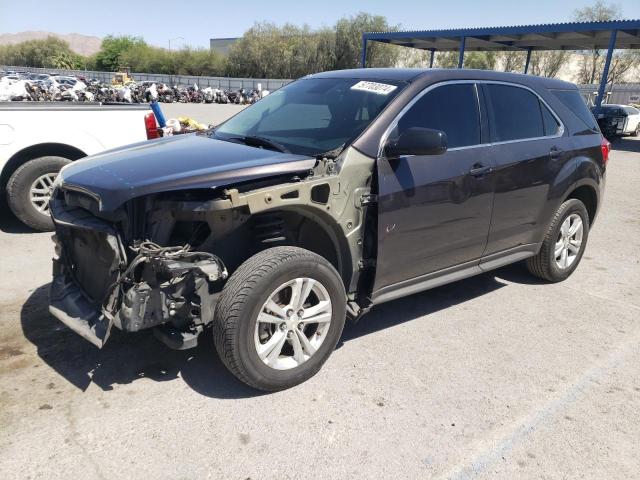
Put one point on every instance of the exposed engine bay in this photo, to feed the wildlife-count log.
(160, 261)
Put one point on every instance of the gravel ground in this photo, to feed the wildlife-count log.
(497, 376)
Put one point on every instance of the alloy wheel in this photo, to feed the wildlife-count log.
(293, 323)
(569, 241)
(40, 192)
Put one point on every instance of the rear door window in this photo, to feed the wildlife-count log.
(514, 114)
(452, 109)
(551, 125)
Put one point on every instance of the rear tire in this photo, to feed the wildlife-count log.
(36, 174)
(562, 248)
(636, 132)
(244, 325)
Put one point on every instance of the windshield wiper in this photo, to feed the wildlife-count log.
(255, 141)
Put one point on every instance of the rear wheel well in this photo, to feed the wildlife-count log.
(36, 151)
(588, 197)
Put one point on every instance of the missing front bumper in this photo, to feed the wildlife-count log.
(94, 287)
(70, 305)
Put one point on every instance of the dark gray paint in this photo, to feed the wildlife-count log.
(175, 163)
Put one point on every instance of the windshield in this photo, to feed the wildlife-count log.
(314, 115)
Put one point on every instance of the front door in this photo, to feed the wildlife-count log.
(435, 210)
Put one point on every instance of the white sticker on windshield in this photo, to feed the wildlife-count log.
(374, 87)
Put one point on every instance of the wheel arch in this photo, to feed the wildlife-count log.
(587, 193)
(320, 233)
(35, 151)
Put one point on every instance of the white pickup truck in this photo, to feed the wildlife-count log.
(38, 139)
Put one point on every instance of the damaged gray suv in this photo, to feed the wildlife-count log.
(337, 192)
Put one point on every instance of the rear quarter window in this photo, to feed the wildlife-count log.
(574, 102)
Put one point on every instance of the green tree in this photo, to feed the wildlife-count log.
(50, 53)
(112, 50)
(348, 48)
(266, 50)
(446, 59)
(480, 60)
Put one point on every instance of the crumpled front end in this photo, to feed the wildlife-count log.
(102, 279)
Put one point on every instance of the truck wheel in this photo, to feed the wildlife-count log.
(279, 317)
(563, 244)
(29, 190)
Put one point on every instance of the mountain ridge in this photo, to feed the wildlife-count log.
(79, 43)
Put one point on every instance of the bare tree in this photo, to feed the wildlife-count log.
(547, 63)
(511, 61)
(592, 62)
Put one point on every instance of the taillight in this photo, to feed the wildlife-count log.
(605, 146)
(151, 126)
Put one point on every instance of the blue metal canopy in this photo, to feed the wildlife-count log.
(610, 35)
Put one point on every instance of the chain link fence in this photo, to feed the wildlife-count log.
(224, 83)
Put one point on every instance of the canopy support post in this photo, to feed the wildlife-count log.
(461, 57)
(363, 60)
(605, 72)
(526, 63)
(433, 50)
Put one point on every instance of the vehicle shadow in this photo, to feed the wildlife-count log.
(125, 358)
(129, 357)
(626, 144)
(421, 304)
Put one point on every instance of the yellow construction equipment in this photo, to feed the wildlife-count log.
(122, 77)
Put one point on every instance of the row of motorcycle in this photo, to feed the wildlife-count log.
(143, 92)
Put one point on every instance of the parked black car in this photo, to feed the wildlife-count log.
(337, 192)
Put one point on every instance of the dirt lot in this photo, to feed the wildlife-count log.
(498, 376)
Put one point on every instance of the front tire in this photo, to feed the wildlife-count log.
(29, 190)
(279, 317)
(563, 244)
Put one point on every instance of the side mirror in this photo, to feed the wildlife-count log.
(417, 141)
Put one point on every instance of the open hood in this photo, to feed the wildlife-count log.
(175, 163)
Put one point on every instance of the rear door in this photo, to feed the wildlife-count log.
(434, 210)
(529, 150)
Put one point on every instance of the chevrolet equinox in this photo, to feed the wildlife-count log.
(340, 191)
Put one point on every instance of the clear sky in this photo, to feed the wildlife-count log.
(198, 20)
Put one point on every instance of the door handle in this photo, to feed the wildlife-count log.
(555, 153)
(478, 170)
